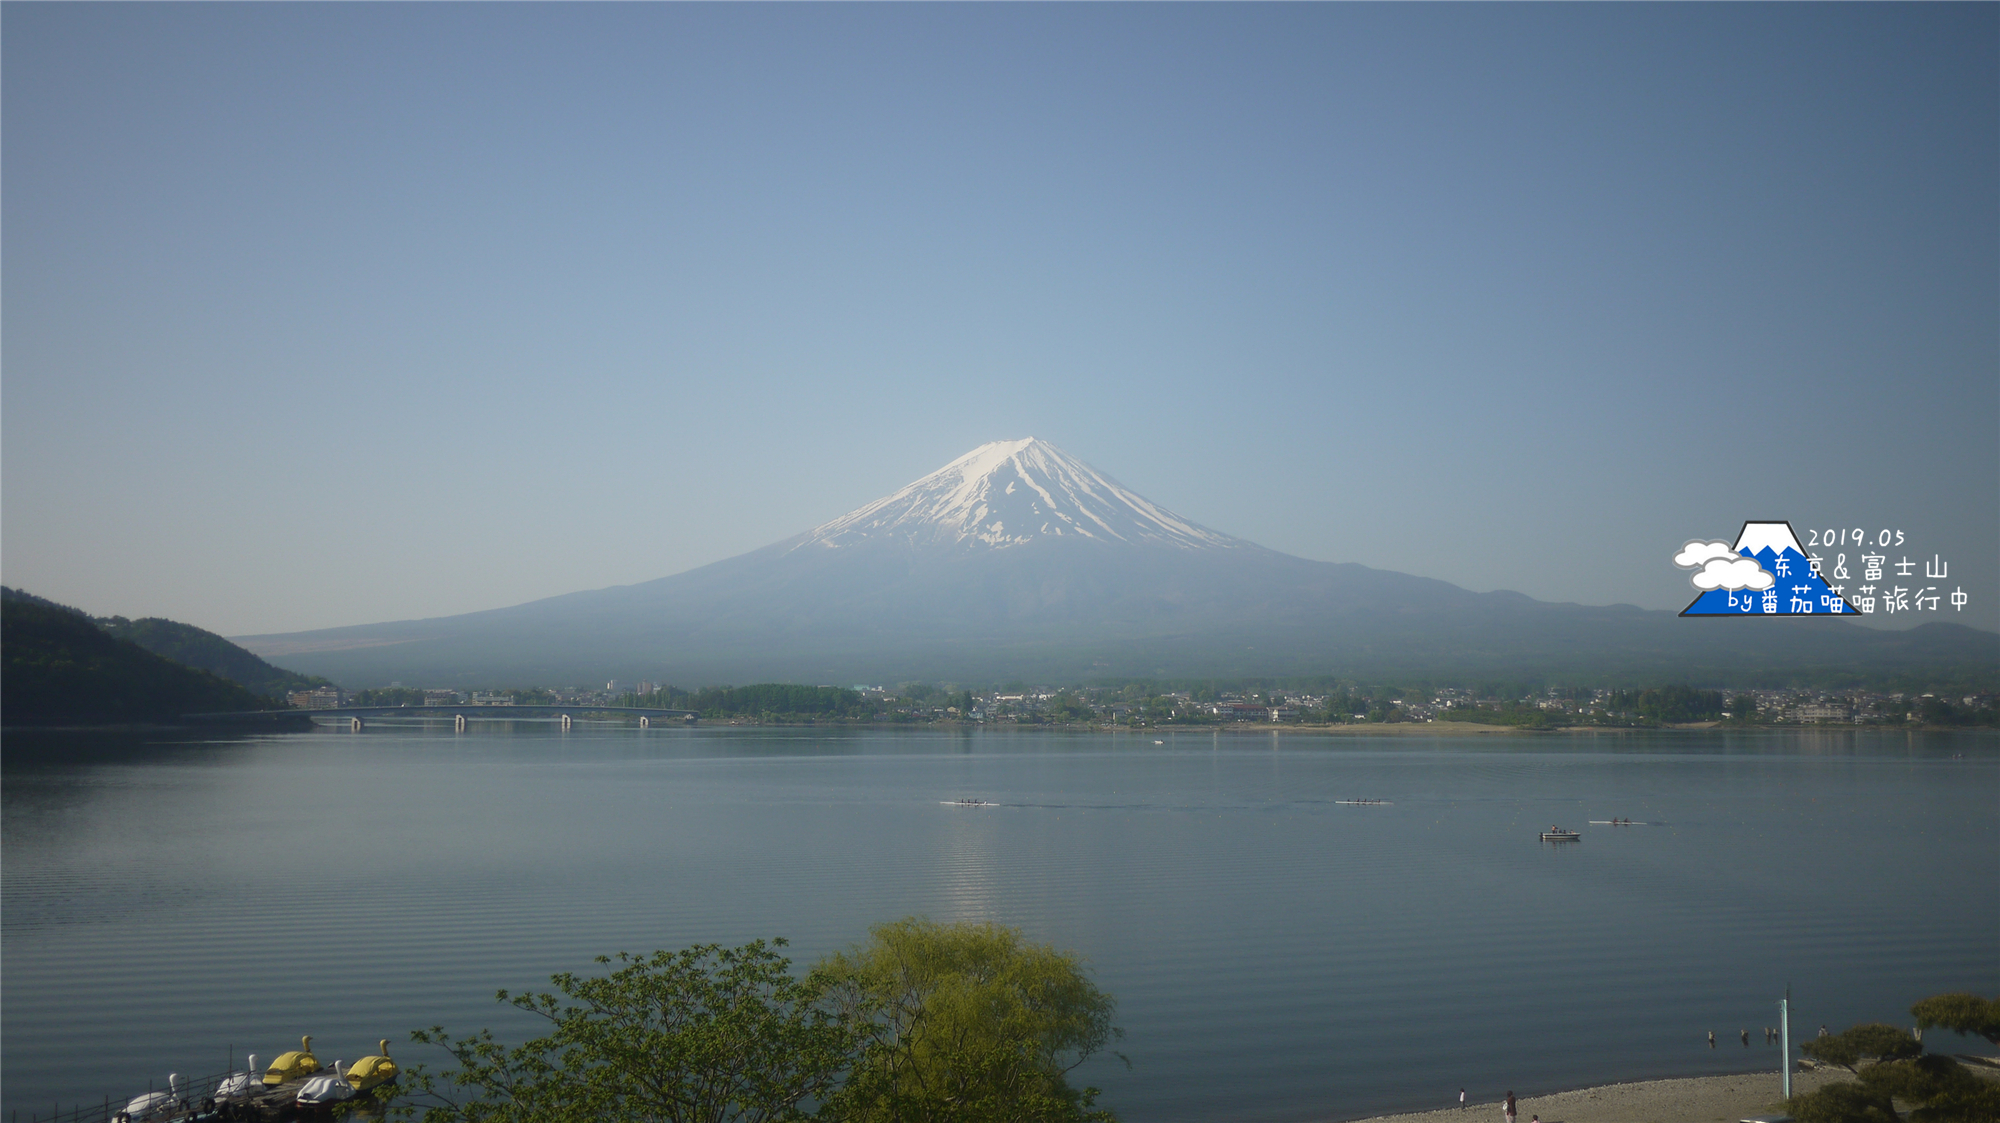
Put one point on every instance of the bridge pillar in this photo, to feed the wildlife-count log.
(645, 722)
(355, 725)
(565, 721)
(458, 722)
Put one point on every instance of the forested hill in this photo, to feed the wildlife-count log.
(60, 667)
(206, 651)
(191, 647)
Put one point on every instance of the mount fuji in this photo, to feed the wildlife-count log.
(1018, 560)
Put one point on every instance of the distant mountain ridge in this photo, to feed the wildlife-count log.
(1020, 561)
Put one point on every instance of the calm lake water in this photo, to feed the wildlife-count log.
(1275, 955)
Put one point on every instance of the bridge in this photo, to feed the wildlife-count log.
(460, 715)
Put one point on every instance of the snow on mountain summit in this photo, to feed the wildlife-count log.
(1009, 493)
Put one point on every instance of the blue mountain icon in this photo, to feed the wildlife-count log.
(1795, 590)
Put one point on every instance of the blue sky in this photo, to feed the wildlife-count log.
(330, 314)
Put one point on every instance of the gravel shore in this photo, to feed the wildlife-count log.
(1694, 1099)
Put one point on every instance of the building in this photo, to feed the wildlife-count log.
(440, 697)
(318, 698)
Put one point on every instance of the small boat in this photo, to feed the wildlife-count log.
(294, 1065)
(1617, 823)
(1560, 834)
(372, 1072)
(326, 1088)
(155, 1103)
(1363, 802)
(238, 1085)
(1159, 742)
(968, 803)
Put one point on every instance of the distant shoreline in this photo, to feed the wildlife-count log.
(1387, 729)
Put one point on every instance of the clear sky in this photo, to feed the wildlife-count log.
(332, 314)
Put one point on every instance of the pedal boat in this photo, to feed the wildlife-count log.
(295, 1065)
(369, 1073)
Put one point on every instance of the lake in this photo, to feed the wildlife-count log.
(1276, 955)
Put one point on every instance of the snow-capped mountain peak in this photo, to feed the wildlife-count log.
(1009, 493)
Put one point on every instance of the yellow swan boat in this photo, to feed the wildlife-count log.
(372, 1072)
(298, 1063)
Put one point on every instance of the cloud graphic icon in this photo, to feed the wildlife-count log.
(1698, 553)
(1732, 573)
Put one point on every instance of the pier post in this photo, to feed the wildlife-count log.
(565, 722)
(1785, 1035)
(645, 722)
(356, 726)
(458, 722)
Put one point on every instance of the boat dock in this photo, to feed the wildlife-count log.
(195, 1102)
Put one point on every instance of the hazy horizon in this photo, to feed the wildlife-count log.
(327, 315)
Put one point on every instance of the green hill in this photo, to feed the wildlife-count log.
(58, 666)
(205, 651)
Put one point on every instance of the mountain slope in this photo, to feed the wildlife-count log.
(1017, 561)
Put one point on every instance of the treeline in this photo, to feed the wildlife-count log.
(1668, 704)
(764, 699)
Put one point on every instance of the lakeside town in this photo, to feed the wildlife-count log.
(1138, 705)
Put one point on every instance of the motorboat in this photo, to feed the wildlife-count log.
(1560, 834)
(969, 803)
(294, 1065)
(372, 1072)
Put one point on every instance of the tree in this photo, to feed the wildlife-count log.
(703, 1035)
(967, 1024)
(1873, 1041)
(1960, 1013)
(1940, 1088)
(1844, 1103)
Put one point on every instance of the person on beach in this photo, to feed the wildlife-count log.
(1510, 1107)
(1461, 1099)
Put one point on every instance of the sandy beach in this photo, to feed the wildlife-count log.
(1695, 1099)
